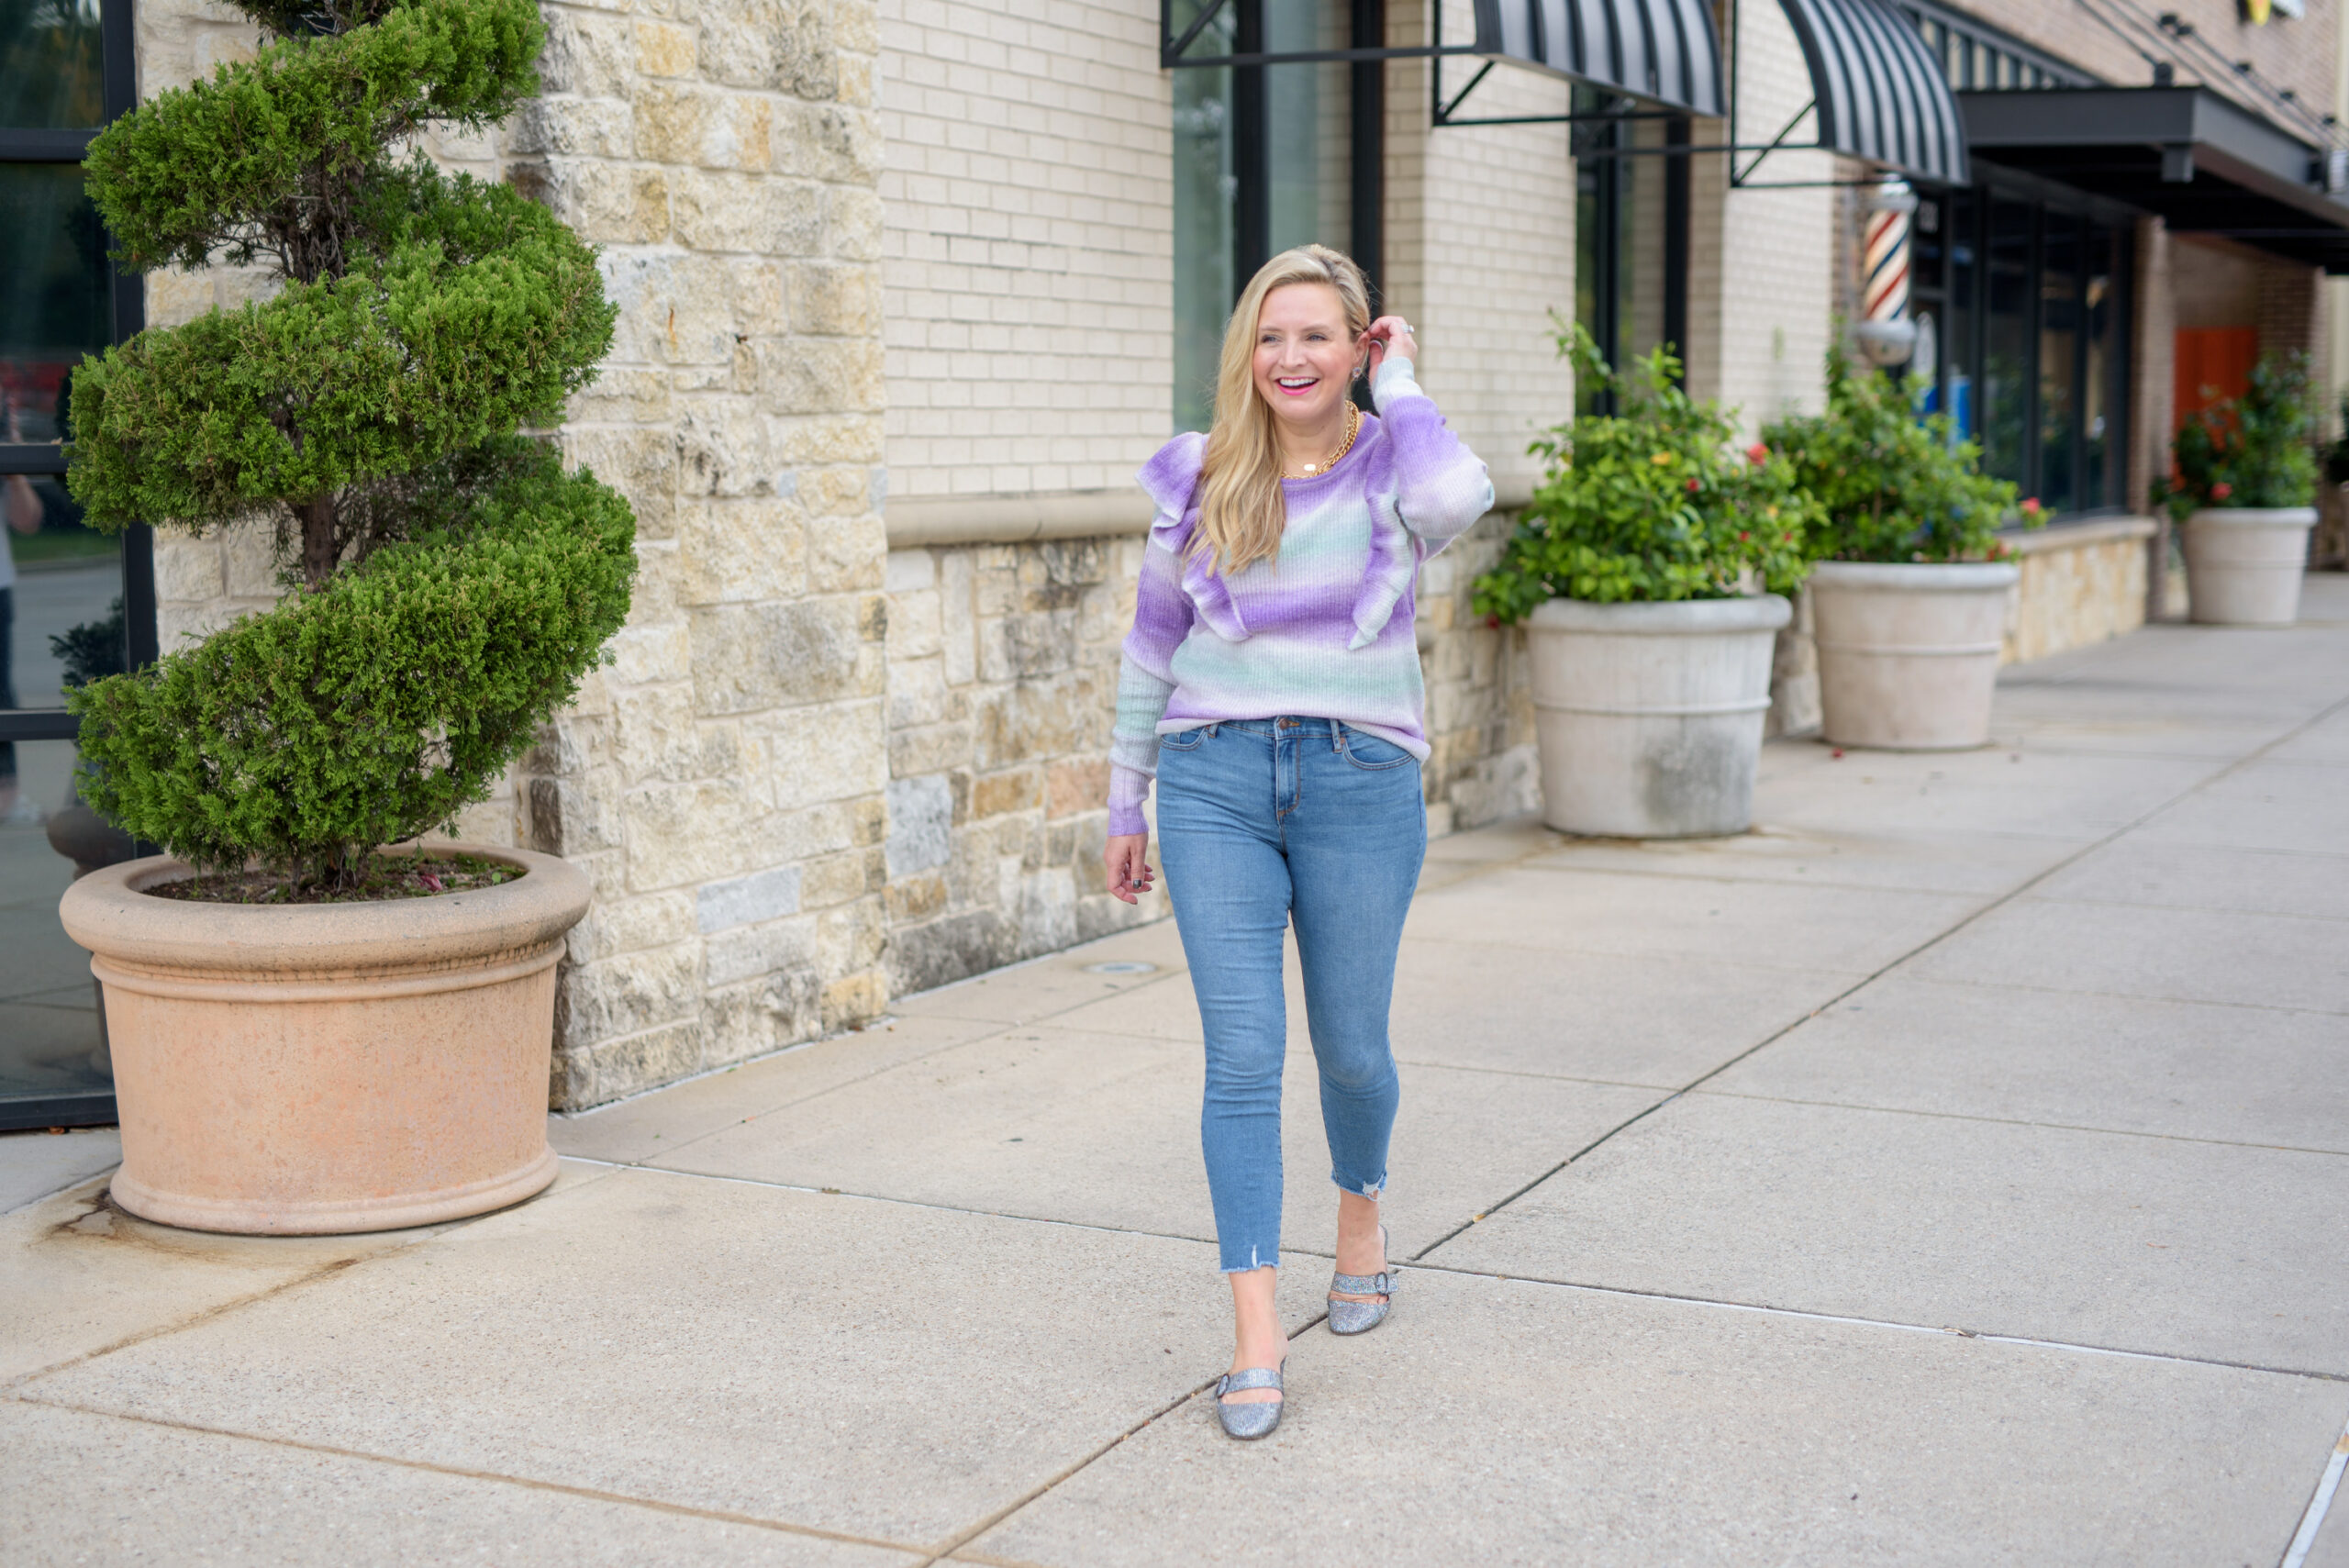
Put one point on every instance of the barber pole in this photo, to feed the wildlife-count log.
(1886, 334)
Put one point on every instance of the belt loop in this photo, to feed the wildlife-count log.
(1337, 736)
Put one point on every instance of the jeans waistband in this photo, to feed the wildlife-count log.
(1286, 726)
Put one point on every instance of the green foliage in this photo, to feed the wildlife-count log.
(2336, 456)
(1894, 488)
(2258, 450)
(370, 710)
(1652, 503)
(486, 314)
(93, 650)
(450, 584)
(270, 158)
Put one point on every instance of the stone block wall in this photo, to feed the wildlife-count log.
(1002, 681)
(722, 779)
(2081, 583)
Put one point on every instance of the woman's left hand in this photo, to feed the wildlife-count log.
(1389, 335)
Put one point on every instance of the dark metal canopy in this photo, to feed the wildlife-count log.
(2205, 164)
(1881, 94)
(1665, 51)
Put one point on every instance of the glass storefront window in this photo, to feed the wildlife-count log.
(63, 588)
(2102, 393)
(56, 297)
(51, 75)
(2008, 347)
(2034, 360)
(1263, 160)
(2059, 348)
(1622, 277)
(51, 1045)
(1207, 192)
(1957, 356)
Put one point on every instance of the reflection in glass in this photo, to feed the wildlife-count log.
(1287, 182)
(2059, 343)
(1957, 314)
(2101, 396)
(1619, 278)
(1206, 189)
(49, 65)
(54, 293)
(2007, 349)
(1307, 129)
(52, 1041)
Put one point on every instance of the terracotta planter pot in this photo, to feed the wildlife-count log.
(1909, 654)
(1650, 716)
(2244, 564)
(333, 1067)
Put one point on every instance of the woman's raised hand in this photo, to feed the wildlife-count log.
(1389, 335)
(1128, 872)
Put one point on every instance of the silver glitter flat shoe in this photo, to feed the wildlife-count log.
(1248, 1421)
(1362, 1316)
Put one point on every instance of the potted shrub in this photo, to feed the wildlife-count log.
(1909, 588)
(1639, 572)
(2246, 468)
(311, 1033)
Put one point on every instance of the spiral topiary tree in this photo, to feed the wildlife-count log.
(449, 582)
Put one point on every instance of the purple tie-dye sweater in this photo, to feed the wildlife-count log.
(1326, 630)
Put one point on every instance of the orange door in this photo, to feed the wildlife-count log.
(2212, 363)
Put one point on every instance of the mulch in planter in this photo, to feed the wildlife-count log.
(385, 874)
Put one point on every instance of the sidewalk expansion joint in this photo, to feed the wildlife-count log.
(965, 1537)
(1986, 1336)
(1994, 904)
(2019, 1121)
(467, 1472)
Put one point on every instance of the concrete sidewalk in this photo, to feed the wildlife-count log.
(1953, 1170)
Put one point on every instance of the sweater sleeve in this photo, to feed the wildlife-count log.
(1441, 487)
(1163, 618)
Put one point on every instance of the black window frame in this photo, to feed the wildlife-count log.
(119, 65)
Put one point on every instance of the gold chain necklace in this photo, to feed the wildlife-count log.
(1353, 428)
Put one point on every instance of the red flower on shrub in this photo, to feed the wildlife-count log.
(1743, 537)
(1757, 452)
(1694, 487)
(2031, 505)
(2222, 490)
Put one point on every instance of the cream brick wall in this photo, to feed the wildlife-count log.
(1769, 279)
(721, 781)
(2292, 52)
(1027, 244)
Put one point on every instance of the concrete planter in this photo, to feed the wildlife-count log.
(2244, 564)
(1909, 654)
(1650, 716)
(329, 1068)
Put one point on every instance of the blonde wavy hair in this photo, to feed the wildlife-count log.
(1241, 509)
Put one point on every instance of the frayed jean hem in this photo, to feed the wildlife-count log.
(1373, 1192)
(1254, 1264)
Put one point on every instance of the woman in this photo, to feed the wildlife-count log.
(1272, 685)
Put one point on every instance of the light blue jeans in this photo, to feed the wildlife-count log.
(1262, 823)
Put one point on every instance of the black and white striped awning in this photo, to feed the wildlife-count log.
(1880, 93)
(1665, 51)
(1877, 91)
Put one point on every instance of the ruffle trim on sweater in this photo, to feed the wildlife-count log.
(1171, 480)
